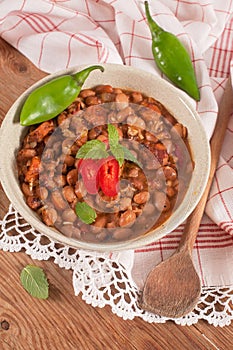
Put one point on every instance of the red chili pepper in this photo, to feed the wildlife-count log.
(109, 177)
(89, 170)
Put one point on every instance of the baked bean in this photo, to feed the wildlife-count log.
(69, 160)
(48, 154)
(68, 215)
(69, 194)
(42, 192)
(133, 172)
(33, 202)
(123, 114)
(161, 201)
(72, 177)
(125, 203)
(57, 148)
(117, 91)
(149, 209)
(138, 183)
(127, 218)
(75, 147)
(63, 117)
(136, 121)
(95, 114)
(123, 98)
(100, 221)
(49, 216)
(49, 167)
(132, 132)
(95, 132)
(58, 200)
(73, 204)
(38, 134)
(60, 180)
(79, 142)
(25, 154)
(27, 190)
(103, 88)
(74, 108)
(170, 191)
(107, 97)
(92, 100)
(86, 93)
(33, 171)
(66, 146)
(180, 129)
(67, 230)
(170, 173)
(141, 197)
(149, 115)
(136, 97)
(79, 190)
(70, 231)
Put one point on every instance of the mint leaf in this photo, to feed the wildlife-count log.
(118, 153)
(113, 136)
(85, 213)
(94, 149)
(115, 147)
(129, 156)
(34, 281)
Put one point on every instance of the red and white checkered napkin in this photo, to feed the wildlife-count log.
(63, 33)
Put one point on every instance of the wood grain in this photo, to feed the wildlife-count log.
(65, 321)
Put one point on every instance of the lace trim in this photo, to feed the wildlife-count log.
(104, 280)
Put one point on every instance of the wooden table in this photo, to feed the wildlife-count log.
(65, 321)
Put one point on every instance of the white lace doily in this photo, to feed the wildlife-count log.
(103, 280)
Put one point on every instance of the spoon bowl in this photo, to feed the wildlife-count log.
(184, 296)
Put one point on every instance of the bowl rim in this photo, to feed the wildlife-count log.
(6, 176)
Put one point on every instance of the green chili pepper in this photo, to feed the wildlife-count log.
(49, 100)
(172, 58)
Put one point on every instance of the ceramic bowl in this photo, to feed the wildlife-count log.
(174, 100)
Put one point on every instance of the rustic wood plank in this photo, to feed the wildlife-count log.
(17, 73)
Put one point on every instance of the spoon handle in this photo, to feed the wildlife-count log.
(193, 222)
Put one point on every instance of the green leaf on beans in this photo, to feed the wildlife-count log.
(128, 155)
(113, 136)
(94, 149)
(34, 281)
(85, 213)
(118, 153)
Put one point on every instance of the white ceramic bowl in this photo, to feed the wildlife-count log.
(11, 134)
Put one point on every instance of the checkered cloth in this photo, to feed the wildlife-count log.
(58, 34)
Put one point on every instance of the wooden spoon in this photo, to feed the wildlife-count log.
(172, 289)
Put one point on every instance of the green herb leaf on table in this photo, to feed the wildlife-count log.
(85, 213)
(94, 149)
(34, 281)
